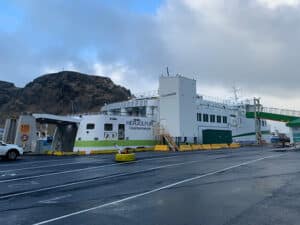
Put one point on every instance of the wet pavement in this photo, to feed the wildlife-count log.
(244, 186)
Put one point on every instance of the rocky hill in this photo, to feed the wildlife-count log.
(59, 93)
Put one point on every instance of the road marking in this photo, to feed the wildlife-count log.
(8, 174)
(153, 190)
(94, 179)
(40, 167)
(83, 169)
(23, 184)
(55, 200)
(35, 162)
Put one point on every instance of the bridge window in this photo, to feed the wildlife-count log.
(212, 118)
(90, 126)
(199, 116)
(205, 117)
(108, 127)
(219, 118)
(224, 119)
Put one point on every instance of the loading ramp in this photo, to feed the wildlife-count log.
(24, 132)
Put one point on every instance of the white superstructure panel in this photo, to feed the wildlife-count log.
(177, 105)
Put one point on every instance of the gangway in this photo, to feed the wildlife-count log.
(275, 114)
(290, 117)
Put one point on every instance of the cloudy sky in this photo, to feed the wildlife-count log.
(251, 44)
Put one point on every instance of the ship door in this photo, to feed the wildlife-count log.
(121, 132)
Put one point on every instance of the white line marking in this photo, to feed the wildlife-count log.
(8, 174)
(23, 184)
(83, 169)
(55, 200)
(153, 190)
(94, 179)
(35, 162)
(53, 165)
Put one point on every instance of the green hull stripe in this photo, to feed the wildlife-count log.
(114, 142)
(251, 133)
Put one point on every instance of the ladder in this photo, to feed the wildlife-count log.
(162, 135)
(171, 143)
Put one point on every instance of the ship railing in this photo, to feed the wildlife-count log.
(287, 112)
(146, 94)
(86, 113)
(229, 101)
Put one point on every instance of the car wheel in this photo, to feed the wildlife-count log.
(12, 155)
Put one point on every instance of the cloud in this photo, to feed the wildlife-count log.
(250, 43)
(274, 4)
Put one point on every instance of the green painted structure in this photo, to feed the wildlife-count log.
(272, 116)
(108, 143)
(290, 117)
(211, 136)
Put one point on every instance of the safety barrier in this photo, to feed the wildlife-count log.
(48, 152)
(162, 148)
(70, 153)
(185, 148)
(81, 153)
(234, 145)
(218, 146)
(99, 152)
(197, 147)
(213, 146)
(61, 153)
(143, 149)
(206, 147)
(125, 157)
(58, 153)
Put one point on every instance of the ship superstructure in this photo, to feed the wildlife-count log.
(176, 110)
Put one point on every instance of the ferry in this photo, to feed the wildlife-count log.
(177, 111)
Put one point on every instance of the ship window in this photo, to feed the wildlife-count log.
(90, 126)
(199, 116)
(205, 117)
(224, 119)
(219, 118)
(212, 118)
(108, 127)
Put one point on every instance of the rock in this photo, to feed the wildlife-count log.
(66, 92)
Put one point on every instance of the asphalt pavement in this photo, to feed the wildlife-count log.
(242, 186)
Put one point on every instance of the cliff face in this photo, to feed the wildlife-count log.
(60, 93)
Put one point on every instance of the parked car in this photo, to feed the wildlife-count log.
(10, 151)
